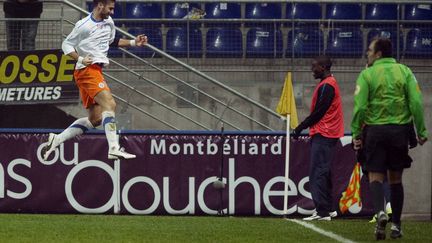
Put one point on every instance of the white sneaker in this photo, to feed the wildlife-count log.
(50, 146)
(333, 214)
(380, 228)
(317, 217)
(120, 154)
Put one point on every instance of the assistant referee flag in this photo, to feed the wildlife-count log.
(286, 103)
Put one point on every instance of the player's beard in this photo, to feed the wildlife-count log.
(105, 16)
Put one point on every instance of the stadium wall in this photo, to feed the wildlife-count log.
(174, 173)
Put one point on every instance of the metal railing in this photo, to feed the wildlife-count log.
(230, 107)
(195, 71)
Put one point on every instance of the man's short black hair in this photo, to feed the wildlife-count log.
(383, 45)
(96, 2)
(324, 61)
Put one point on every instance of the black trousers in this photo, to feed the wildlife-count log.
(320, 174)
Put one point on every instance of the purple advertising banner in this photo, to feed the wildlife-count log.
(174, 174)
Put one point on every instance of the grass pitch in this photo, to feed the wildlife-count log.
(114, 228)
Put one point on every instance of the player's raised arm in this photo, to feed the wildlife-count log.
(140, 40)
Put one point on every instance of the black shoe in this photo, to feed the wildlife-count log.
(389, 217)
(380, 227)
(396, 231)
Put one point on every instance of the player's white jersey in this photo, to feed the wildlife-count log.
(90, 37)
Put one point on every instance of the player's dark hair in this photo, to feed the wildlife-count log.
(96, 2)
(383, 45)
(324, 61)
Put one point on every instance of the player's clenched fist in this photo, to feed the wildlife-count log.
(141, 40)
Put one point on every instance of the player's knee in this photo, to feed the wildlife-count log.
(111, 105)
(96, 121)
(394, 177)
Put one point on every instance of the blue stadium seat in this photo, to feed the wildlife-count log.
(387, 33)
(303, 11)
(224, 42)
(222, 11)
(345, 43)
(177, 42)
(419, 43)
(381, 12)
(306, 42)
(154, 36)
(118, 14)
(261, 42)
(142, 11)
(263, 11)
(179, 10)
(343, 11)
(418, 12)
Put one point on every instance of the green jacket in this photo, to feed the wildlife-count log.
(387, 93)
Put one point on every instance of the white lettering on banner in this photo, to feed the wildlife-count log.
(19, 178)
(200, 196)
(305, 194)
(2, 181)
(3, 93)
(190, 208)
(155, 149)
(15, 176)
(69, 180)
(200, 147)
(233, 183)
(159, 147)
(58, 154)
(210, 148)
(292, 191)
(174, 149)
(74, 159)
(30, 93)
(152, 184)
(267, 193)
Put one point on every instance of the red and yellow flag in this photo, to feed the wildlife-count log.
(352, 194)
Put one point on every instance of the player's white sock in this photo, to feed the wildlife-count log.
(77, 128)
(109, 124)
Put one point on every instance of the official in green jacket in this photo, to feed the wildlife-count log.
(387, 99)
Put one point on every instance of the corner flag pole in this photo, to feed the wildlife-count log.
(287, 152)
(287, 109)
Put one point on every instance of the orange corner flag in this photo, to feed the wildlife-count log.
(352, 194)
(286, 103)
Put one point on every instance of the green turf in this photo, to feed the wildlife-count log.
(108, 228)
(362, 230)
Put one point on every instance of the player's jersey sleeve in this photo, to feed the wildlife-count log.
(361, 97)
(72, 40)
(415, 102)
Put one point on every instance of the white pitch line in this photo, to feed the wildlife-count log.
(321, 231)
